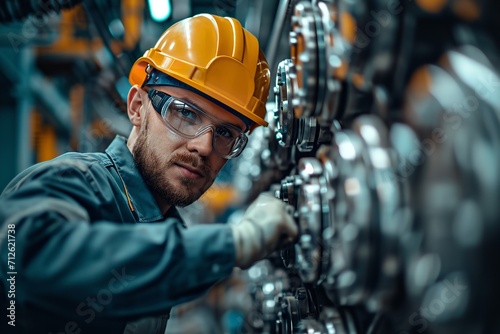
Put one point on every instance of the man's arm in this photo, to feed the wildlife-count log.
(69, 265)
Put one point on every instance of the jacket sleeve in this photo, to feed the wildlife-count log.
(72, 266)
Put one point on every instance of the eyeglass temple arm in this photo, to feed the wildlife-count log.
(158, 99)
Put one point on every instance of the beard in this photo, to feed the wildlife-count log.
(149, 165)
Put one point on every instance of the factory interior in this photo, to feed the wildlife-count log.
(383, 135)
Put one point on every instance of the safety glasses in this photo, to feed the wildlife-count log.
(189, 121)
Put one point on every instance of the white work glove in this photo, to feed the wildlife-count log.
(267, 225)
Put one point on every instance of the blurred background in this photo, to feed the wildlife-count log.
(64, 68)
(384, 136)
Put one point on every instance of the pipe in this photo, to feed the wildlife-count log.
(283, 13)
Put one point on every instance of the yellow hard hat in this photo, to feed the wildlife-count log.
(216, 56)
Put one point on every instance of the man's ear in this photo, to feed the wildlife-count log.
(136, 104)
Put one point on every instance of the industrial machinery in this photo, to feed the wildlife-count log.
(384, 137)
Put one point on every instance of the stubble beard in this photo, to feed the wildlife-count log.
(149, 165)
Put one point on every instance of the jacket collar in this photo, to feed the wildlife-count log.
(140, 198)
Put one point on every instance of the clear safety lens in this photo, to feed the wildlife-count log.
(189, 121)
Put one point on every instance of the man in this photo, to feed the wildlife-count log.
(99, 246)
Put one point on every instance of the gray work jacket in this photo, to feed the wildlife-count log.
(93, 252)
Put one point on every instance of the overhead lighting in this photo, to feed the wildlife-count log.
(160, 10)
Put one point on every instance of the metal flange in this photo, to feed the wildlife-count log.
(309, 250)
(304, 54)
(363, 235)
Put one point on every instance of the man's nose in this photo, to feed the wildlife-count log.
(202, 143)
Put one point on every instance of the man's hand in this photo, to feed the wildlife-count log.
(267, 225)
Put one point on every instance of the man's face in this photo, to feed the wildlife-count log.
(176, 169)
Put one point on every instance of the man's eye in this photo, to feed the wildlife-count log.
(223, 132)
(185, 112)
